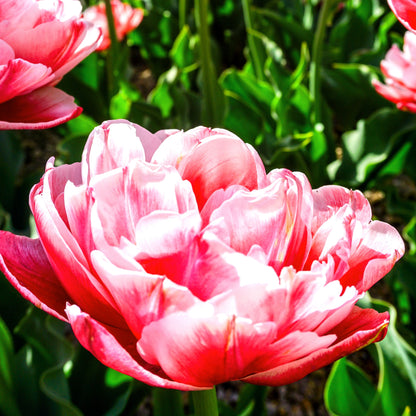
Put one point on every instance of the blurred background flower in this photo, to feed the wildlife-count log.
(40, 41)
(399, 69)
(126, 18)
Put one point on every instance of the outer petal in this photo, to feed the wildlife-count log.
(56, 44)
(361, 328)
(24, 263)
(65, 255)
(43, 108)
(100, 339)
(206, 351)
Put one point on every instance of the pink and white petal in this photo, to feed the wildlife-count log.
(19, 77)
(125, 195)
(25, 264)
(256, 302)
(248, 218)
(41, 109)
(164, 233)
(141, 297)
(262, 179)
(111, 145)
(115, 348)
(409, 46)
(216, 199)
(379, 249)
(188, 345)
(178, 143)
(314, 301)
(327, 200)
(85, 38)
(218, 269)
(361, 328)
(218, 163)
(77, 201)
(67, 259)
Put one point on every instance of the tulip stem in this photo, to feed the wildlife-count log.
(316, 61)
(210, 112)
(205, 402)
(167, 402)
(113, 51)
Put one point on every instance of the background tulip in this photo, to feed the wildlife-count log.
(405, 11)
(40, 41)
(125, 17)
(172, 251)
(399, 69)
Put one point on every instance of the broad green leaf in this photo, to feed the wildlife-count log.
(369, 148)
(397, 381)
(349, 391)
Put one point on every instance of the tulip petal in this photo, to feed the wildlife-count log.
(217, 164)
(405, 11)
(101, 339)
(379, 249)
(43, 108)
(24, 263)
(115, 144)
(361, 328)
(141, 297)
(188, 346)
(66, 256)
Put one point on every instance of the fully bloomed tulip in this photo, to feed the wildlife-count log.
(40, 41)
(399, 69)
(126, 18)
(177, 260)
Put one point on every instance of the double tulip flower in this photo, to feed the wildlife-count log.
(177, 260)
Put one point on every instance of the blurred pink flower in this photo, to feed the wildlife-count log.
(399, 69)
(405, 11)
(179, 262)
(40, 41)
(125, 20)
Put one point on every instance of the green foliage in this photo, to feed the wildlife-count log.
(349, 390)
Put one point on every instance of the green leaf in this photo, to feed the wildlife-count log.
(397, 359)
(50, 353)
(348, 391)
(369, 148)
(8, 401)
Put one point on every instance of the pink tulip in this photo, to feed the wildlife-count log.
(405, 11)
(399, 69)
(40, 41)
(177, 260)
(125, 20)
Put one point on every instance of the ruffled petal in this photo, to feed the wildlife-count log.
(361, 328)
